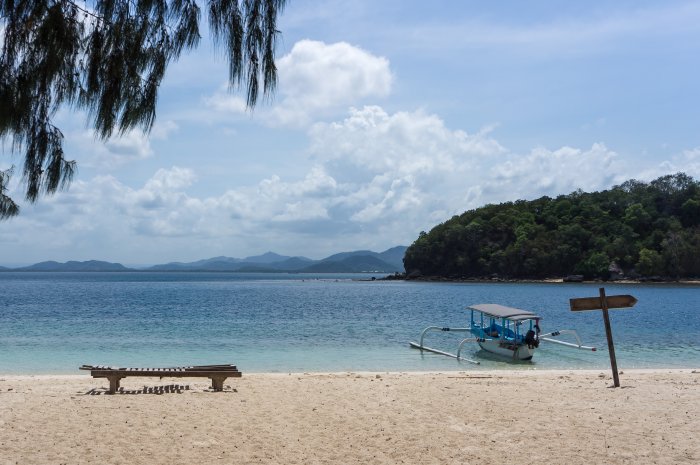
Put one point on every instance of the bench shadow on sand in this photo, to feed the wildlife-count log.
(169, 389)
(158, 390)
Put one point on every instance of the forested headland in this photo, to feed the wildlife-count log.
(636, 230)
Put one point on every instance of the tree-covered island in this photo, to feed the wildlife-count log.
(635, 230)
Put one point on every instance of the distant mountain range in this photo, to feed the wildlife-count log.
(361, 261)
(90, 265)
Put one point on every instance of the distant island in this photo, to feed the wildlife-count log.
(360, 261)
(90, 265)
(637, 230)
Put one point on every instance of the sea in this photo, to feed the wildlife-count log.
(52, 323)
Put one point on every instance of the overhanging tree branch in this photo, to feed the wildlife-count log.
(108, 57)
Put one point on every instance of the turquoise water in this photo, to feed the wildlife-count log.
(54, 322)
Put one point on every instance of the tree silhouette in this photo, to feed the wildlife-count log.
(108, 57)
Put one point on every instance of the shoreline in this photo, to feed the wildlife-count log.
(491, 417)
(495, 372)
(484, 280)
(515, 372)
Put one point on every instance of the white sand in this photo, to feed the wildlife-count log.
(560, 417)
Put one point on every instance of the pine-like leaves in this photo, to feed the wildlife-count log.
(109, 58)
(248, 31)
(7, 207)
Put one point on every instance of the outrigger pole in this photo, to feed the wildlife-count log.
(568, 344)
(421, 347)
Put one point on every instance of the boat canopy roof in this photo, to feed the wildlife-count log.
(500, 311)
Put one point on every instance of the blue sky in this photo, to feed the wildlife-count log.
(389, 118)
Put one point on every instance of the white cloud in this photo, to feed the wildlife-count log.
(552, 172)
(692, 155)
(688, 162)
(170, 180)
(224, 102)
(411, 171)
(315, 80)
(399, 197)
(373, 172)
(161, 131)
(132, 145)
(119, 149)
(316, 76)
(276, 201)
(376, 179)
(406, 143)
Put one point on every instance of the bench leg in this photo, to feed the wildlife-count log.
(217, 383)
(113, 384)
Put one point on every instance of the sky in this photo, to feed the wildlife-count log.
(389, 118)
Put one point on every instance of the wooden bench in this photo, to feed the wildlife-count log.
(217, 373)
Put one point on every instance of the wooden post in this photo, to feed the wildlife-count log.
(608, 334)
(605, 303)
(217, 383)
(113, 384)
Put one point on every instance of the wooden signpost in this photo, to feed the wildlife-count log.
(604, 303)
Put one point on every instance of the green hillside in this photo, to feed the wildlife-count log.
(636, 229)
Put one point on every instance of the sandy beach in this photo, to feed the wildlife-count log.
(488, 417)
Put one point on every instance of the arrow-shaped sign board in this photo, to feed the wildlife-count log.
(604, 303)
(594, 303)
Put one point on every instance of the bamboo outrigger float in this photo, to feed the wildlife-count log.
(505, 331)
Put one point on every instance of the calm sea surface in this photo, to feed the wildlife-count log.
(54, 322)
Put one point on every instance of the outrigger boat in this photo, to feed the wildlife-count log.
(505, 331)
